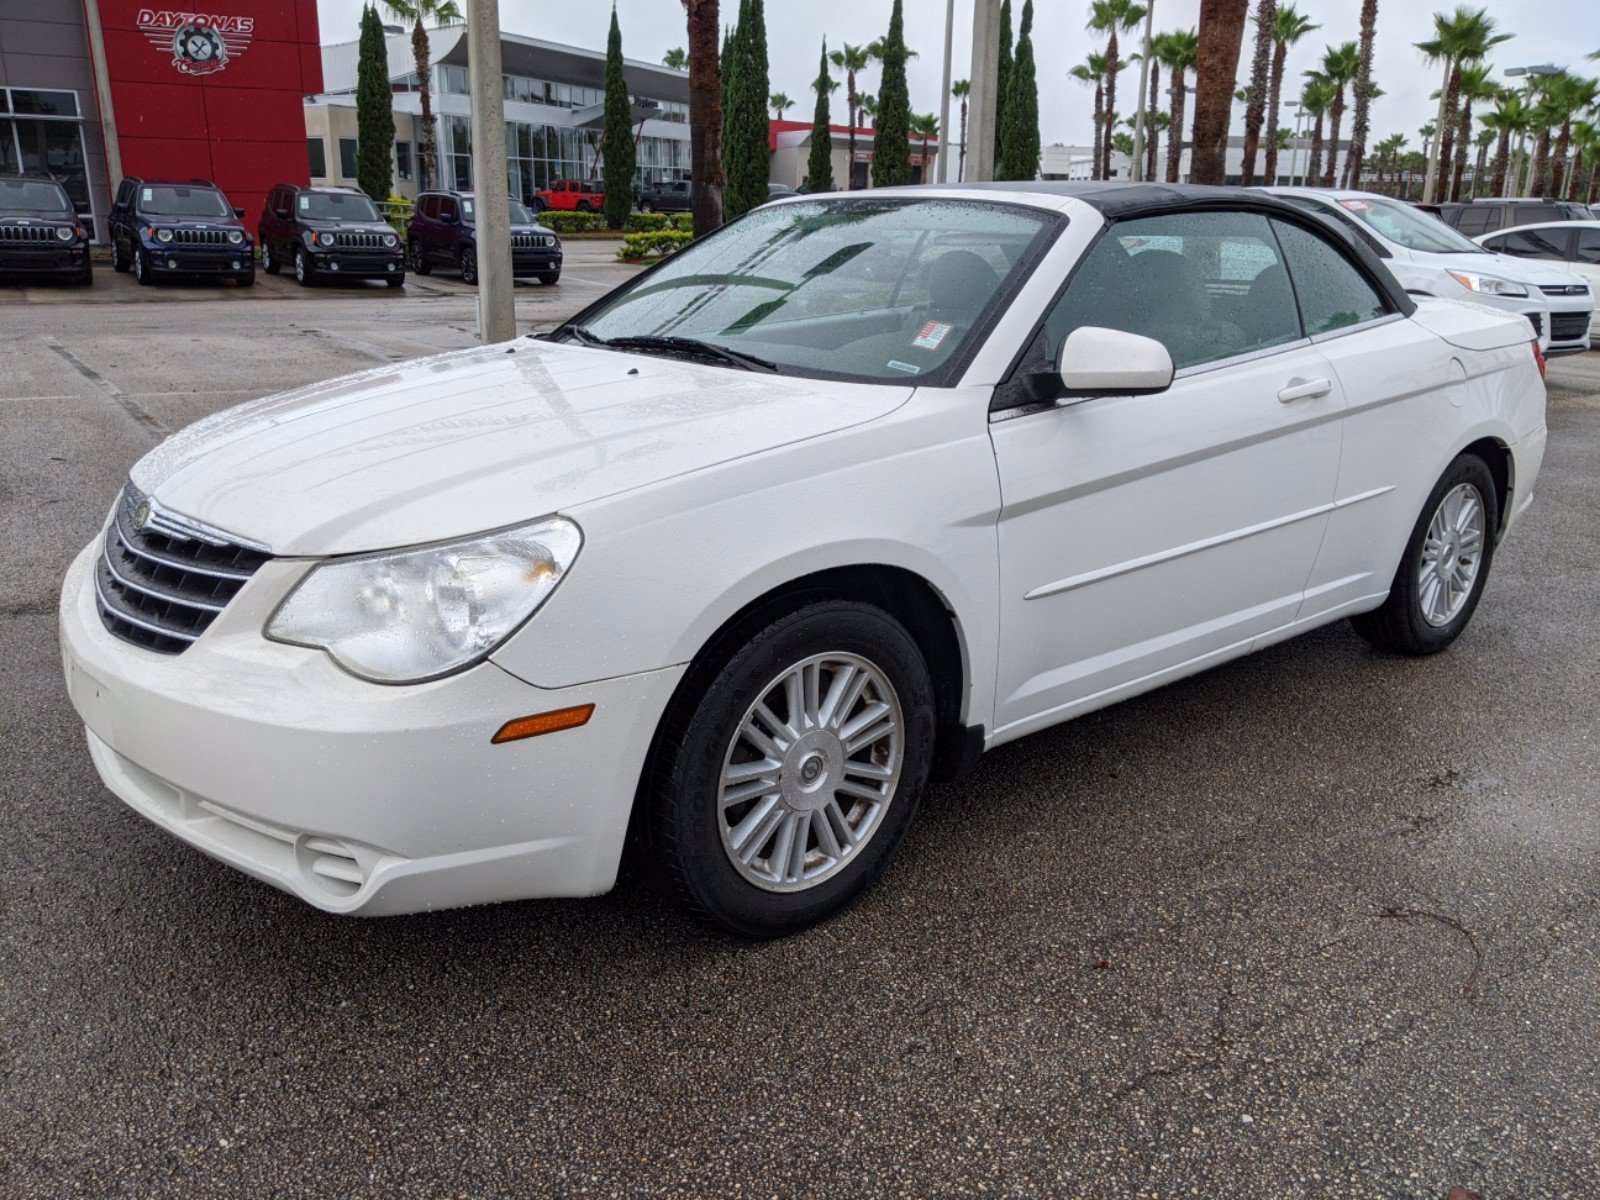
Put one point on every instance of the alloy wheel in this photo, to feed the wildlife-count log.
(810, 772)
(1452, 555)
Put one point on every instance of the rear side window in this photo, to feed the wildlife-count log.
(1588, 248)
(1474, 219)
(1207, 286)
(1534, 243)
(1332, 293)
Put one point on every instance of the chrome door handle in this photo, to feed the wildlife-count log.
(1305, 389)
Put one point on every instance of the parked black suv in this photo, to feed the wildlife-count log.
(669, 196)
(444, 232)
(1479, 217)
(167, 230)
(328, 233)
(40, 233)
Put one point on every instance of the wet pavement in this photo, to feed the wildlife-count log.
(1321, 922)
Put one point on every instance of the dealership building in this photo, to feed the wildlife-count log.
(92, 90)
(555, 113)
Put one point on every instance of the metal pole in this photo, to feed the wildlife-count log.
(496, 310)
(102, 94)
(982, 106)
(1144, 87)
(1438, 141)
(944, 102)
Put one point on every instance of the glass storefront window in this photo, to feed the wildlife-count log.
(44, 104)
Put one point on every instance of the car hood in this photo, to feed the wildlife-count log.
(1502, 266)
(476, 439)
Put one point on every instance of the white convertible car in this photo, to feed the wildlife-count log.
(836, 498)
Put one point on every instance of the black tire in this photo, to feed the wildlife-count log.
(550, 278)
(682, 792)
(584, 206)
(118, 263)
(86, 276)
(1400, 626)
(305, 274)
(269, 261)
(246, 278)
(419, 259)
(141, 267)
(469, 266)
(395, 281)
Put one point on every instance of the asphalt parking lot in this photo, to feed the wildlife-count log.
(1321, 922)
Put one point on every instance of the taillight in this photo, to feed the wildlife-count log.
(1538, 357)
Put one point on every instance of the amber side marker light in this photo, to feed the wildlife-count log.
(550, 722)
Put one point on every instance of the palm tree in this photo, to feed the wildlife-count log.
(676, 59)
(867, 103)
(1152, 107)
(1260, 81)
(1476, 84)
(1221, 37)
(1093, 70)
(851, 59)
(1389, 154)
(705, 116)
(925, 127)
(1462, 37)
(440, 12)
(1111, 17)
(779, 103)
(1571, 96)
(1316, 98)
(1288, 27)
(1361, 122)
(1510, 116)
(1586, 147)
(1480, 168)
(1339, 67)
(1179, 50)
(961, 89)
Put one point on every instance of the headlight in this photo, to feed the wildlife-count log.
(236, 238)
(64, 232)
(390, 240)
(1488, 285)
(163, 235)
(326, 239)
(420, 614)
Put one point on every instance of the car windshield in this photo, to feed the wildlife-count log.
(519, 214)
(32, 195)
(867, 289)
(183, 202)
(337, 206)
(1405, 226)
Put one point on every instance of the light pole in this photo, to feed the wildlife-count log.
(1300, 114)
(497, 318)
(944, 101)
(1531, 73)
(1144, 87)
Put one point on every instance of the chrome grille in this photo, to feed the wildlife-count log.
(27, 233)
(161, 582)
(1567, 327)
(199, 237)
(1565, 289)
(361, 241)
(531, 241)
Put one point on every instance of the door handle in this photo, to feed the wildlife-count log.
(1305, 389)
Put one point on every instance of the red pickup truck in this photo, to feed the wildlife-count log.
(573, 195)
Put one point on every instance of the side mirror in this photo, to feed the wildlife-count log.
(281, 213)
(1109, 362)
(238, 210)
(448, 218)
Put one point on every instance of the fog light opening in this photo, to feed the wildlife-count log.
(540, 723)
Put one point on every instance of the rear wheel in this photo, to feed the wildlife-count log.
(1444, 568)
(419, 259)
(469, 265)
(269, 260)
(790, 769)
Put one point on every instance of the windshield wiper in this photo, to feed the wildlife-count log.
(676, 345)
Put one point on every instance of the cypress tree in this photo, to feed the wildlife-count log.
(1002, 78)
(374, 111)
(819, 167)
(617, 152)
(745, 157)
(1019, 114)
(891, 133)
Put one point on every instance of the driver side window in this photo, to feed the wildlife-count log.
(1207, 285)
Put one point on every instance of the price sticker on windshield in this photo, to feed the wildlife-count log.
(930, 335)
(1355, 205)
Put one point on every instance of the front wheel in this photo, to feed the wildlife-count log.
(550, 277)
(585, 206)
(788, 774)
(118, 263)
(304, 273)
(141, 267)
(1444, 568)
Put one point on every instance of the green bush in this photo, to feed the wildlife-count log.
(683, 221)
(638, 246)
(643, 222)
(567, 221)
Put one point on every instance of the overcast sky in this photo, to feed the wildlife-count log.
(1553, 31)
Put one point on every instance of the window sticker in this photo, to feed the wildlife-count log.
(930, 335)
(908, 368)
(147, 195)
(1355, 205)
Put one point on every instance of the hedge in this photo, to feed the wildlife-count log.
(566, 221)
(637, 246)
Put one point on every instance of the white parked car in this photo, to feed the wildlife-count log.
(1573, 246)
(1431, 259)
(838, 497)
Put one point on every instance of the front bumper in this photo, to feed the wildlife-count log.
(357, 797)
(358, 264)
(44, 258)
(535, 262)
(1562, 324)
(234, 260)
